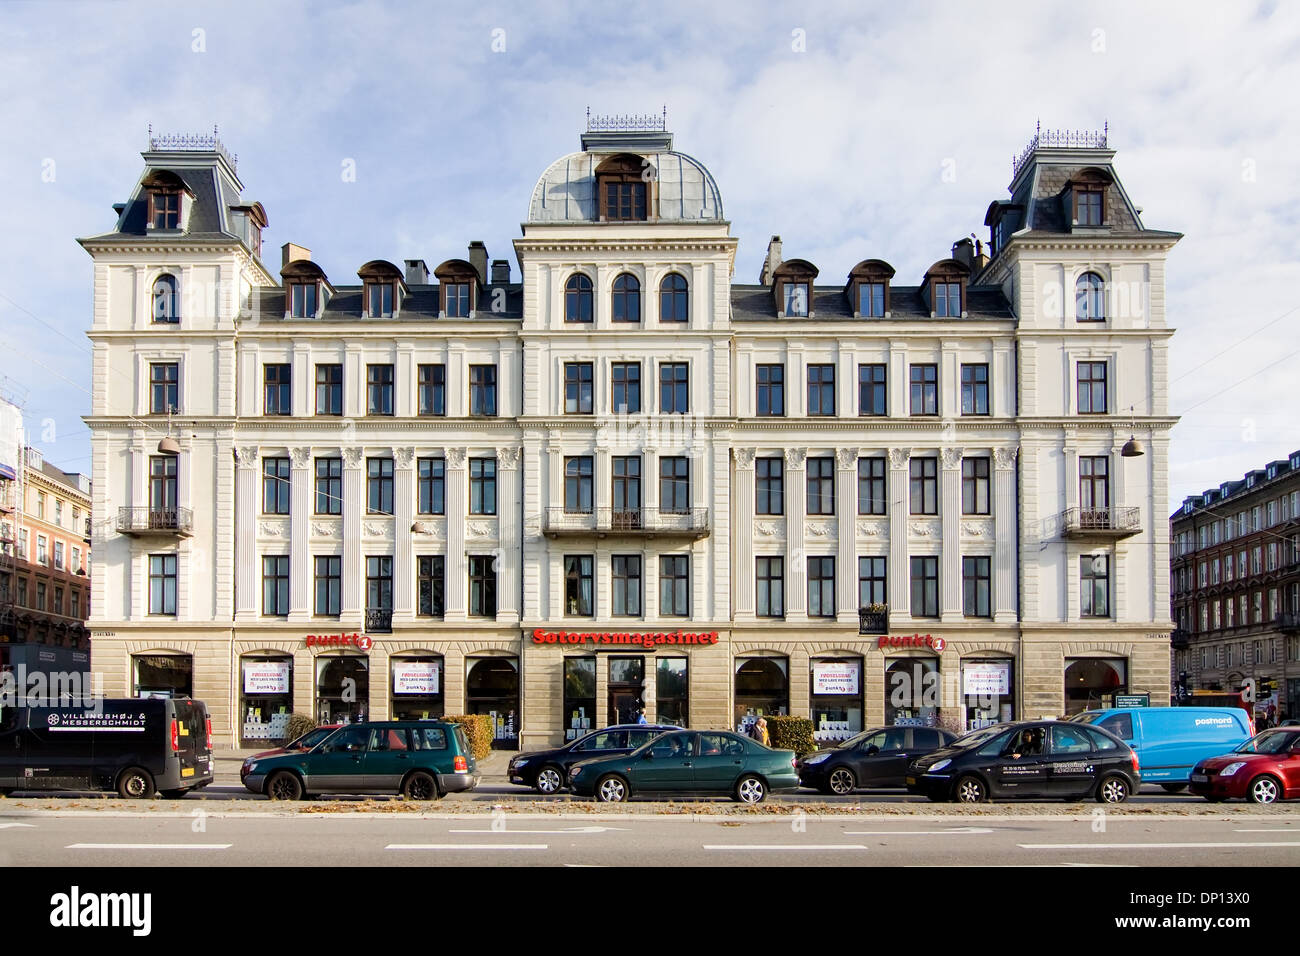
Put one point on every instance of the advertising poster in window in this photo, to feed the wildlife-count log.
(835, 677)
(986, 680)
(266, 677)
(415, 677)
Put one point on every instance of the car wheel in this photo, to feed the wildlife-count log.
(842, 781)
(1112, 790)
(173, 794)
(611, 789)
(1264, 789)
(751, 790)
(971, 790)
(549, 780)
(420, 786)
(1174, 787)
(284, 786)
(135, 784)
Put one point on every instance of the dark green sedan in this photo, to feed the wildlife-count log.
(689, 762)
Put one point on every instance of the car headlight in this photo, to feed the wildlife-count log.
(815, 758)
(250, 765)
(574, 772)
(519, 763)
(938, 766)
(1232, 768)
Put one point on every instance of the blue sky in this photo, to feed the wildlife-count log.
(831, 124)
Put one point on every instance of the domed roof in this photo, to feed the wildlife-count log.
(566, 192)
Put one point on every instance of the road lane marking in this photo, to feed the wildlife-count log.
(1268, 830)
(784, 846)
(148, 846)
(466, 846)
(959, 830)
(9, 826)
(1151, 846)
(570, 830)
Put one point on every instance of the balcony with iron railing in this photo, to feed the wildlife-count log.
(641, 522)
(1180, 638)
(161, 522)
(873, 620)
(379, 620)
(1287, 621)
(1112, 523)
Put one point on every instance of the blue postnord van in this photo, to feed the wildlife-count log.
(1169, 741)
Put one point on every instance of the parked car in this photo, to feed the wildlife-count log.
(1042, 759)
(421, 760)
(874, 758)
(546, 770)
(1169, 741)
(1265, 769)
(134, 746)
(298, 745)
(708, 763)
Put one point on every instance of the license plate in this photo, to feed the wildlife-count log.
(187, 771)
(1200, 778)
(911, 781)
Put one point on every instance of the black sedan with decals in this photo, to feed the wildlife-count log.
(1039, 759)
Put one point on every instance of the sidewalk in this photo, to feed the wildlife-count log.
(226, 764)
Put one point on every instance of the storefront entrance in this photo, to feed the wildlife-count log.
(762, 689)
(626, 687)
(988, 691)
(835, 702)
(1092, 683)
(492, 688)
(164, 675)
(267, 697)
(912, 692)
(342, 689)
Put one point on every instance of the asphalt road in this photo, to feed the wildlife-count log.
(87, 838)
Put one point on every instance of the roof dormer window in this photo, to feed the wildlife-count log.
(303, 298)
(792, 288)
(1085, 197)
(458, 283)
(623, 188)
(945, 286)
(167, 199)
(380, 299)
(383, 285)
(455, 299)
(868, 289)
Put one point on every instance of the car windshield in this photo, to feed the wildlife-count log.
(977, 737)
(1086, 717)
(854, 740)
(310, 739)
(1269, 742)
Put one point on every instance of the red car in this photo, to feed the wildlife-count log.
(1265, 769)
(298, 745)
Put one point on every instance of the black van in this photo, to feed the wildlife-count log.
(135, 747)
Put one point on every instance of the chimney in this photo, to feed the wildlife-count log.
(478, 258)
(963, 250)
(771, 262)
(981, 259)
(417, 273)
(291, 253)
(500, 271)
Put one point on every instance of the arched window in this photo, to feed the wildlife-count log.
(674, 304)
(1090, 298)
(166, 305)
(577, 299)
(627, 299)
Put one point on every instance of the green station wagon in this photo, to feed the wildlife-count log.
(707, 763)
(420, 759)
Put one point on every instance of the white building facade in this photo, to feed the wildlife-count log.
(626, 480)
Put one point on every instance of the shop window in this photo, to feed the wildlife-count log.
(579, 696)
(1092, 683)
(266, 699)
(492, 688)
(164, 675)
(417, 687)
(342, 689)
(626, 688)
(912, 692)
(988, 691)
(672, 691)
(762, 688)
(835, 700)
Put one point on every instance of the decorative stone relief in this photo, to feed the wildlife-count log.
(744, 458)
(508, 458)
(402, 457)
(1004, 458)
(846, 458)
(795, 457)
(898, 458)
(246, 456)
(819, 529)
(374, 529)
(479, 529)
(975, 530)
(323, 530)
(951, 457)
(455, 457)
(301, 457)
(272, 529)
(871, 529)
(767, 529)
(923, 529)
(352, 457)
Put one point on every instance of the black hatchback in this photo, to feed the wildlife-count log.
(546, 770)
(1042, 759)
(875, 758)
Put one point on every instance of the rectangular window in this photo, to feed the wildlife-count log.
(769, 486)
(872, 497)
(431, 579)
(166, 208)
(278, 392)
(1094, 585)
(625, 200)
(58, 555)
(58, 600)
(431, 483)
(579, 584)
(1094, 487)
(821, 587)
(873, 390)
(627, 387)
(925, 587)
(674, 485)
(329, 486)
(75, 610)
(329, 585)
(483, 486)
(302, 298)
(455, 300)
(1257, 560)
(672, 690)
(974, 389)
(578, 388)
(796, 298)
(483, 390)
(42, 549)
(1092, 388)
(627, 491)
(770, 594)
(329, 389)
(821, 486)
(975, 486)
(674, 585)
(578, 485)
(871, 582)
(381, 300)
(164, 387)
(40, 595)
(379, 486)
(871, 300)
(924, 380)
(482, 586)
(1087, 207)
(162, 584)
(947, 299)
(821, 390)
(379, 390)
(626, 572)
(433, 390)
(379, 583)
(275, 585)
(975, 583)
(162, 484)
(923, 486)
(674, 378)
(770, 397)
(275, 486)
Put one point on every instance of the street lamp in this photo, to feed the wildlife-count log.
(1132, 448)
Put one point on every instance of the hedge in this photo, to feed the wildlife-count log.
(297, 725)
(479, 731)
(791, 733)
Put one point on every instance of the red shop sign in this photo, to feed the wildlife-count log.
(359, 641)
(644, 639)
(912, 640)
